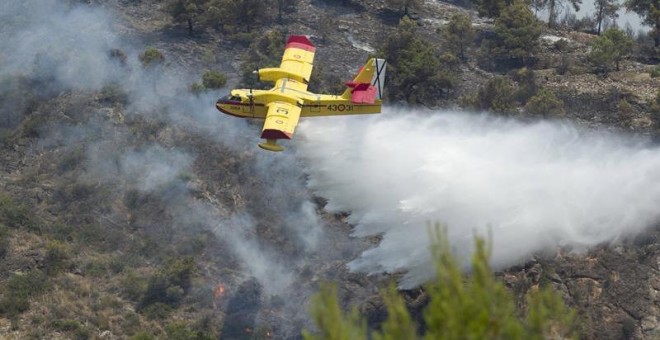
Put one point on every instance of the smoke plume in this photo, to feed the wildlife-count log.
(70, 49)
(535, 185)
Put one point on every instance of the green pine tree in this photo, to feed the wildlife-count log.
(461, 307)
(491, 8)
(518, 32)
(415, 73)
(605, 9)
(546, 104)
(610, 48)
(459, 33)
(649, 10)
(186, 10)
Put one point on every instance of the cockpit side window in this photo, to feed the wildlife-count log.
(235, 98)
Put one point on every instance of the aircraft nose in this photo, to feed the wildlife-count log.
(223, 99)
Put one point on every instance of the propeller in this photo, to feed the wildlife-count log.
(256, 71)
(251, 99)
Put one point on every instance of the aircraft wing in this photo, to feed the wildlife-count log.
(281, 120)
(296, 64)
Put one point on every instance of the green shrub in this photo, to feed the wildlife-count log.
(625, 107)
(151, 57)
(16, 215)
(133, 285)
(6, 136)
(565, 65)
(415, 73)
(243, 38)
(611, 47)
(214, 79)
(113, 93)
(96, 268)
(66, 325)
(4, 241)
(178, 330)
(197, 88)
(57, 257)
(460, 307)
(459, 33)
(33, 126)
(561, 45)
(116, 265)
(655, 72)
(518, 31)
(19, 289)
(527, 86)
(143, 336)
(655, 106)
(170, 284)
(157, 311)
(71, 159)
(496, 95)
(546, 104)
(264, 51)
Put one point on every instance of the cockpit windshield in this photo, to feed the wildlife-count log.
(230, 98)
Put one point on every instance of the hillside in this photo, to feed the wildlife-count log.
(130, 208)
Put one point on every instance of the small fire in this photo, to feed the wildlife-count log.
(219, 291)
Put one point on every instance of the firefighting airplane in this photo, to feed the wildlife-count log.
(288, 100)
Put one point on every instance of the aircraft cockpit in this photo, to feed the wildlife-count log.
(229, 98)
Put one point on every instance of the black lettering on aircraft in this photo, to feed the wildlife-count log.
(340, 107)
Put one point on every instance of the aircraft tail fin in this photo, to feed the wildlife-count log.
(368, 84)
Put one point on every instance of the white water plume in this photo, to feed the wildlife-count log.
(535, 185)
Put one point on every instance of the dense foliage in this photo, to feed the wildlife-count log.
(415, 72)
(404, 5)
(545, 104)
(518, 32)
(461, 307)
(605, 9)
(151, 57)
(610, 49)
(649, 10)
(265, 51)
(459, 33)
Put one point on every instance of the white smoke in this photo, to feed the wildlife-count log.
(535, 185)
(67, 44)
(72, 47)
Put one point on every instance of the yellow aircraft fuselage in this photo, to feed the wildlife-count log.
(239, 104)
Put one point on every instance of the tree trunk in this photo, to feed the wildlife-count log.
(599, 16)
(553, 13)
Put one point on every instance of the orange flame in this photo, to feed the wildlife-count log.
(219, 291)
